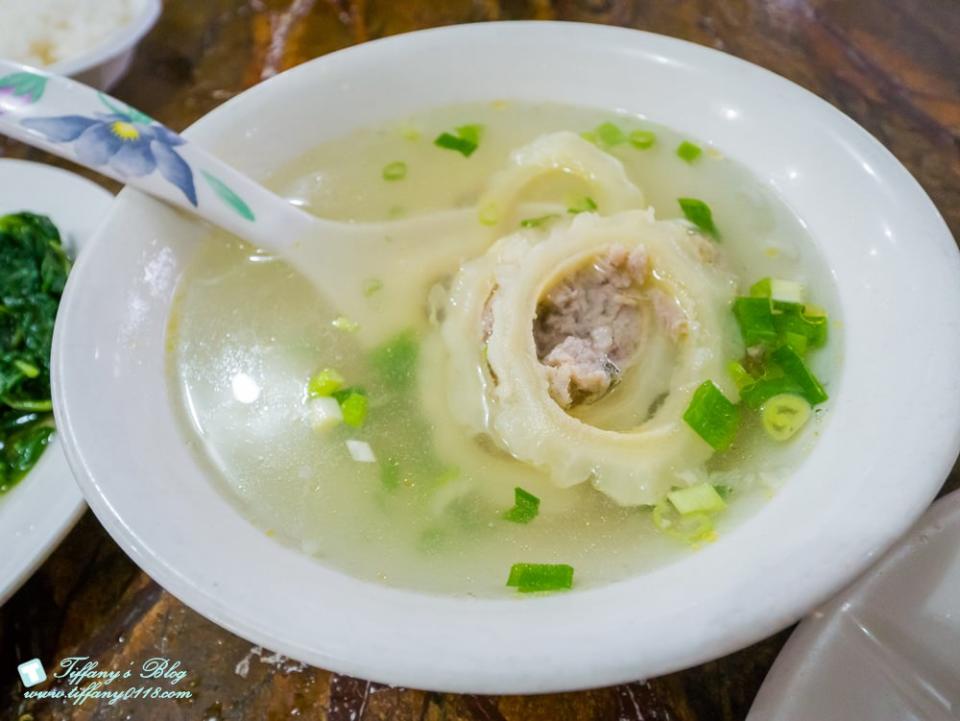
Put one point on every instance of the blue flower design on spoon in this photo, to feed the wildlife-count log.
(124, 140)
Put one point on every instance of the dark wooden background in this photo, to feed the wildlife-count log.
(892, 65)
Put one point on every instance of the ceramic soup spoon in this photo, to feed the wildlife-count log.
(78, 123)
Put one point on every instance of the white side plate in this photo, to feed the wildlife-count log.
(887, 648)
(37, 513)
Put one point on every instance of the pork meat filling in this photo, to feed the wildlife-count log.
(588, 327)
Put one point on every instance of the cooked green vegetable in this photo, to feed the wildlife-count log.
(529, 577)
(396, 361)
(464, 140)
(33, 271)
(397, 170)
(689, 151)
(699, 213)
(526, 506)
(713, 416)
(784, 415)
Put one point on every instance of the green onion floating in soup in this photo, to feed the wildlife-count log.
(533, 577)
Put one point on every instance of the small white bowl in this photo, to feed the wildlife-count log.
(39, 511)
(105, 64)
(885, 649)
(891, 439)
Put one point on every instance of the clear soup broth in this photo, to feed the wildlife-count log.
(248, 332)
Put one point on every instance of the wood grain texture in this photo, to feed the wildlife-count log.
(889, 64)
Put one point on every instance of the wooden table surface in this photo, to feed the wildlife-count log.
(892, 65)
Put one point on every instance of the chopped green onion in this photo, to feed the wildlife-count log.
(526, 506)
(796, 341)
(702, 498)
(33, 406)
(714, 418)
(28, 369)
(447, 475)
(464, 140)
(324, 383)
(390, 475)
(642, 139)
(723, 490)
(739, 375)
(341, 395)
(530, 577)
(590, 136)
(795, 318)
(354, 407)
(396, 361)
(325, 413)
(610, 134)
(692, 528)
(796, 370)
(451, 142)
(371, 286)
(789, 291)
(471, 132)
(689, 151)
(397, 170)
(699, 213)
(345, 324)
(784, 415)
(756, 394)
(431, 540)
(360, 451)
(489, 214)
(583, 205)
(755, 317)
(537, 222)
(410, 133)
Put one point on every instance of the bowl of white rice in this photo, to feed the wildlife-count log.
(90, 40)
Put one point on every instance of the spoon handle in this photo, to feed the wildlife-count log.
(76, 122)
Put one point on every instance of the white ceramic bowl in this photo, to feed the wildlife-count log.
(890, 442)
(105, 64)
(39, 511)
(885, 649)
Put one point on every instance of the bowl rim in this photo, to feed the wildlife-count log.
(115, 44)
(862, 550)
